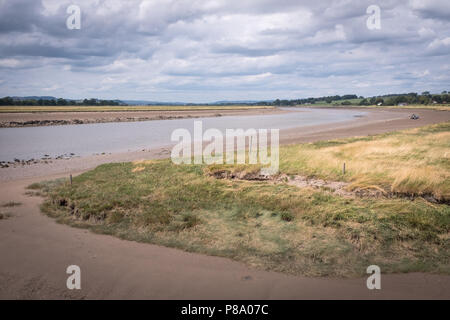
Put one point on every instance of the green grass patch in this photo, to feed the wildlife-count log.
(269, 226)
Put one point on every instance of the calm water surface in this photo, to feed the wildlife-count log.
(87, 139)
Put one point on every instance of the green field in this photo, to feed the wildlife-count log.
(355, 103)
(338, 102)
(34, 109)
(277, 226)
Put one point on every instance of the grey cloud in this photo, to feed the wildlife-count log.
(19, 15)
(156, 49)
(432, 9)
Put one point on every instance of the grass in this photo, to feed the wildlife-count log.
(11, 204)
(355, 104)
(5, 215)
(36, 109)
(414, 162)
(440, 107)
(277, 226)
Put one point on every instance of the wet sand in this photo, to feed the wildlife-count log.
(375, 122)
(35, 250)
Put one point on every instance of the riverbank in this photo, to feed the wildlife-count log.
(375, 122)
(392, 219)
(35, 252)
(113, 268)
(27, 118)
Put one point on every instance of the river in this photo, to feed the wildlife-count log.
(87, 139)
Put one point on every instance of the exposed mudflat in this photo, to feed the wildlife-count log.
(12, 120)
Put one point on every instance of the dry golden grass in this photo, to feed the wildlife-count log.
(415, 161)
(138, 169)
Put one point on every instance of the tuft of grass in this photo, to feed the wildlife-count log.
(4, 215)
(11, 204)
(45, 186)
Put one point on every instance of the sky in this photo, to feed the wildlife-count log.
(204, 51)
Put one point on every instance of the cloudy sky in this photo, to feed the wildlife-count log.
(202, 50)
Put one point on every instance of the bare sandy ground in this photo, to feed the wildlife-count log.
(376, 122)
(61, 118)
(35, 251)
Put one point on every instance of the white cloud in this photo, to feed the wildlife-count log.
(439, 47)
(328, 36)
(439, 43)
(9, 63)
(426, 32)
(52, 88)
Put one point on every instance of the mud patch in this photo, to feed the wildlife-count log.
(5, 215)
(242, 175)
(336, 187)
(340, 188)
(34, 288)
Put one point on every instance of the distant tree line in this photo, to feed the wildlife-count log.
(425, 98)
(328, 99)
(8, 101)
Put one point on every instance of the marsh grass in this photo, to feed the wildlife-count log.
(414, 162)
(275, 226)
